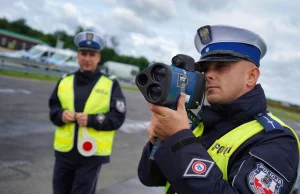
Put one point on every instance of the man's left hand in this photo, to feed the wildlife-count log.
(82, 119)
(165, 122)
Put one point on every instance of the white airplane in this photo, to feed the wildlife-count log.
(39, 53)
(63, 59)
(123, 71)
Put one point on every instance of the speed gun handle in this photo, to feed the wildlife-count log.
(156, 145)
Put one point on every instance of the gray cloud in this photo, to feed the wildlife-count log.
(42, 15)
(280, 76)
(127, 22)
(153, 48)
(208, 5)
(20, 9)
(154, 10)
(50, 16)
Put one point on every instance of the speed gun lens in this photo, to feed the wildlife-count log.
(158, 73)
(154, 92)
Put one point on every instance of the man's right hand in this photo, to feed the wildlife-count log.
(68, 116)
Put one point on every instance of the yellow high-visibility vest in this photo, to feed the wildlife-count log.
(223, 148)
(97, 102)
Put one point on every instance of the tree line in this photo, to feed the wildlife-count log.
(108, 53)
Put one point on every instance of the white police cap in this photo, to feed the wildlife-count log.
(89, 40)
(228, 43)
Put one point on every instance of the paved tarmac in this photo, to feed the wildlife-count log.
(26, 138)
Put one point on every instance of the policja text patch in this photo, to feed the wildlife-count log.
(198, 168)
(263, 180)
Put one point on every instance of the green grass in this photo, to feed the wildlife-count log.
(130, 88)
(43, 77)
(284, 114)
(28, 75)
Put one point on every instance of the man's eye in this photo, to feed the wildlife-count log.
(221, 66)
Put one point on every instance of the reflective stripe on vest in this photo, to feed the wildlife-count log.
(97, 102)
(223, 148)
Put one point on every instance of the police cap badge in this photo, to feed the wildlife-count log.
(205, 34)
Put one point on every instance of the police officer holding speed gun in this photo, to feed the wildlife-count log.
(87, 107)
(235, 145)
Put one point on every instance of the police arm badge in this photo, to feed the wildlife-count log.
(120, 105)
(100, 118)
(198, 168)
(263, 180)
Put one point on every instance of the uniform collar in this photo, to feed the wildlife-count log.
(87, 76)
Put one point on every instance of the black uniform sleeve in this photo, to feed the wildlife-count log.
(55, 108)
(269, 167)
(115, 117)
(148, 171)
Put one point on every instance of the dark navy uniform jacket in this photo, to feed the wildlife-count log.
(268, 160)
(83, 85)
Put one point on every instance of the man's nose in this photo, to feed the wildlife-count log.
(209, 74)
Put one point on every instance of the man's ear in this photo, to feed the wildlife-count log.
(252, 76)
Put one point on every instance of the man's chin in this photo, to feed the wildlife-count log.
(86, 69)
(212, 99)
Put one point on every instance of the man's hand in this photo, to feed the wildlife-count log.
(165, 122)
(68, 116)
(81, 119)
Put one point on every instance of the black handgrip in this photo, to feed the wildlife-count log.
(156, 145)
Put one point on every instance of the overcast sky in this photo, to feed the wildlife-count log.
(160, 29)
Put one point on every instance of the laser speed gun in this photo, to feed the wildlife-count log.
(162, 84)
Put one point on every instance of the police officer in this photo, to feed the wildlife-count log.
(87, 107)
(239, 147)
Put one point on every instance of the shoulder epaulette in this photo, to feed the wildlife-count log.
(112, 77)
(66, 74)
(268, 122)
